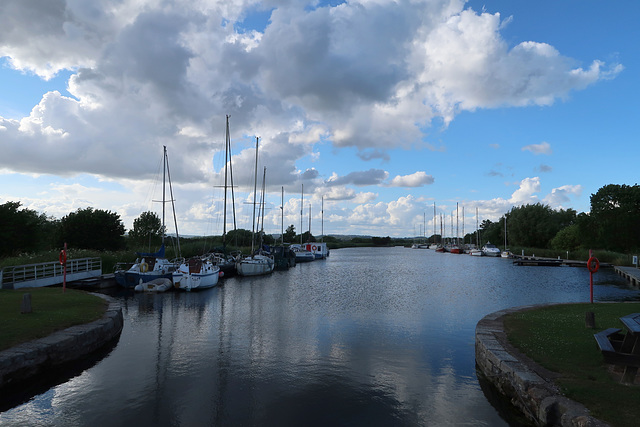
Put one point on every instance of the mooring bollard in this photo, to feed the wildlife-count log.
(25, 307)
(590, 320)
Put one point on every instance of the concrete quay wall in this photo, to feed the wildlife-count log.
(29, 359)
(528, 386)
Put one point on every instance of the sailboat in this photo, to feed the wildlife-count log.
(506, 253)
(196, 273)
(258, 263)
(302, 253)
(153, 266)
(476, 251)
(225, 261)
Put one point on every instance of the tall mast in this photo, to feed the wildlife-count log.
(309, 236)
(434, 222)
(477, 232)
(457, 227)
(262, 201)
(301, 207)
(226, 159)
(322, 226)
(282, 217)
(164, 179)
(255, 189)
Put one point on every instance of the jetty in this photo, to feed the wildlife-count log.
(632, 274)
(552, 262)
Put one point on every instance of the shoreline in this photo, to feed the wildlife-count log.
(529, 387)
(26, 360)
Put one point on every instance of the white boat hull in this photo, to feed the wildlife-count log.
(196, 274)
(255, 266)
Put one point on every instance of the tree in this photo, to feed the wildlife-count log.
(290, 234)
(490, 231)
(92, 229)
(239, 237)
(567, 239)
(535, 225)
(23, 230)
(146, 227)
(614, 218)
(307, 237)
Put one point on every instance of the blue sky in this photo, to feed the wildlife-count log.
(381, 109)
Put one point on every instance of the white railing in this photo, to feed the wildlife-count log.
(49, 273)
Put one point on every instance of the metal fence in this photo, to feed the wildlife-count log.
(49, 273)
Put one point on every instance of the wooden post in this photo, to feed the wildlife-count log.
(25, 307)
(590, 320)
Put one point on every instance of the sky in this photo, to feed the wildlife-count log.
(369, 113)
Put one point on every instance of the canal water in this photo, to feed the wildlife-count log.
(367, 337)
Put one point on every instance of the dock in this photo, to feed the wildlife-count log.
(553, 262)
(632, 274)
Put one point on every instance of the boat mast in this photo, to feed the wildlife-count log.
(262, 202)
(164, 179)
(457, 227)
(255, 189)
(301, 207)
(309, 236)
(173, 206)
(322, 224)
(434, 222)
(505, 232)
(477, 232)
(282, 217)
(226, 158)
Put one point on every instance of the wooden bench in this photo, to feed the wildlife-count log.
(604, 343)
(622, 349)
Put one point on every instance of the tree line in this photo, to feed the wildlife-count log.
(612, 224)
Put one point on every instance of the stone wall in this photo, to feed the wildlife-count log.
(529, 387)
(29, 359)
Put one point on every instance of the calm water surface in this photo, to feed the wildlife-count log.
(367, 337)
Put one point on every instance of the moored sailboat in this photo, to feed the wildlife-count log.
(258, 263)
(152, 266)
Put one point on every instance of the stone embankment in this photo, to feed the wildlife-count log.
(528, 386)
(29, 359)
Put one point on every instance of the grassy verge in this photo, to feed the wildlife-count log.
(53, 310)
(556, 338)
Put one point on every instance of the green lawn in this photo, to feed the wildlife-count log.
(556, 337)
(53, 310)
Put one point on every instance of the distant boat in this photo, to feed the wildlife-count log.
(490, 249)
(476, 252)
(455, 249)
(196, 273)
(318, 249)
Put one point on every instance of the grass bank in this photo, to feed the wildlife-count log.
(53, 310)
(556, 338)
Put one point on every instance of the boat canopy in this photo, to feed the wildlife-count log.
(159, 254)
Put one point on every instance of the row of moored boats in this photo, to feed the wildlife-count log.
(153, 272)
(487, 250)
